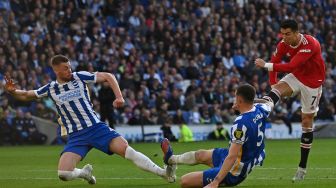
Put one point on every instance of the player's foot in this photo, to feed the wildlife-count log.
(167, 150)
(300, 174)
(171, 173)
(87, 174)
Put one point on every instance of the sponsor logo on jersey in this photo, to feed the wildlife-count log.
(305, 50)
(70, 95)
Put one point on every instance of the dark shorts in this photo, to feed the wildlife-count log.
(97, 136)
(218, 157)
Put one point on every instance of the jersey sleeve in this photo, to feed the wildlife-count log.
(265, 108)
(87, 77)
(42, 91)
(276, 59)
(238, 132)
(300, 58)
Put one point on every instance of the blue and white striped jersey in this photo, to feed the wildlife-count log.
(249, 131)
(72, 101)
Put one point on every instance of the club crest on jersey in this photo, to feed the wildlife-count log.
(238, 134)
(75, 84)
(275, 52)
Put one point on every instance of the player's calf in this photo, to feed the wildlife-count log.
(143, 162)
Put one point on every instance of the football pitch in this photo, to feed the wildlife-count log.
(36, 166)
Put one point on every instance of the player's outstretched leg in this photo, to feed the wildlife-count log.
(167, 154)
(169, 158)
(84, 173)
(120, 146)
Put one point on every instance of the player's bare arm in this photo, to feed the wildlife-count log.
(227, 165)
(22, 95)
(110, 78)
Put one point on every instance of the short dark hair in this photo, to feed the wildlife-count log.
(247, 92)
(292, 24)
(58, 59)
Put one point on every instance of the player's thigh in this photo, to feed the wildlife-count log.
(193, 179)
(284, 89)
(310, 99)
(204, 157)
(288, 85)
(118, 145)
(68, 161)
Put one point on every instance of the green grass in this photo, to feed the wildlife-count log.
(35, 166)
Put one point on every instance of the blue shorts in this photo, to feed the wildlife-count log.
(97, 136)
(218, 157)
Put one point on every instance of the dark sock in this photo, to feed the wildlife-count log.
(306, 142)
(272, 96)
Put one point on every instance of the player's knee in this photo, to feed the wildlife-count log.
(201, 156)
(64, 175)
(184, 181)
(307, 121)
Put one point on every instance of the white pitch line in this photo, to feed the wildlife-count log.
(262, 168)
(268, 178)
(106, 178)
(141, 178)
(257, 168)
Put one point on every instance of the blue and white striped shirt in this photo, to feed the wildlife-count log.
(72, 101)
(249, 131)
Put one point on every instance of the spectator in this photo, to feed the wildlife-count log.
(220, 133)
(106, 98)
(186, 134)
(7, 132)
(167, 132)
(21, 129)
(154, 46)
(34, 136)
(136, 118)
(280, 113)
(178, 117)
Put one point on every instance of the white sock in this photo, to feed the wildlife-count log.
(70, 175)
(185, 158)
(143, 162)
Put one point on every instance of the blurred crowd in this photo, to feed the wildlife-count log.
(177, 61)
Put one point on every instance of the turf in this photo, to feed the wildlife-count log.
(35, 166)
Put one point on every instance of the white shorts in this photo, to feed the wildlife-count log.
(310, 97)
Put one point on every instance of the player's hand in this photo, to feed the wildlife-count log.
(260, 63)
(10, 85)
(212, 185)
(118, 102)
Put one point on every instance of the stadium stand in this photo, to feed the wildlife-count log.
(174, 60)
